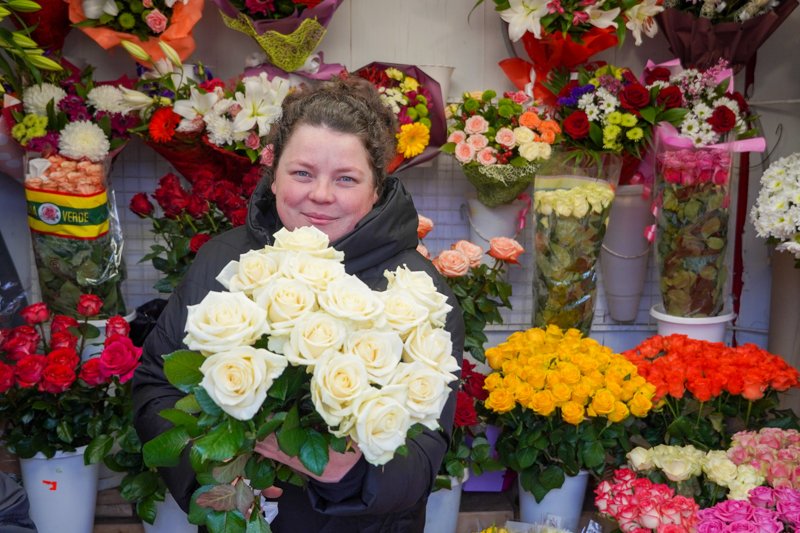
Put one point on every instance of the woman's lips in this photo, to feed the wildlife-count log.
(319, 218)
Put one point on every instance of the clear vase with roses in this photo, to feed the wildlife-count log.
(51, 400)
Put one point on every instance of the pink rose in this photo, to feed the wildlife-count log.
(762, 497)
(505, 249)
(733, 511)
(476, 124)
(457, 136)
(424, 226)
(156, 21)
(90, 372)
(451, 263)
(649, 515)
(487, 156)
(423, 251)
(473, 252)
(119, 358)
(268, 155)
(478, 141)
(743, 526)
(767, 521)
(253, 141)
(147, 3)
(505, 137)
(711, 525)
(464, 152)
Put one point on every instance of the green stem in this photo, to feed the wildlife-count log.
(747, 416)
(83, 335)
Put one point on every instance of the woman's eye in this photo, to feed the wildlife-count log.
(346, 179)
(301, 173)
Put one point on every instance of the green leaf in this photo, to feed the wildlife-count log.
(97, 449)
(314, 452)
(552, 477)
(180, 418)
(165, 449)
(182, 369)
(222, 442)
(592, 454)
(146, 510)
(291, 440)
(526, 457)
(219, 498)
(257, 524)
(229, 471)
(260, 471)
(205, 402)
(225, 522)
(140, 486)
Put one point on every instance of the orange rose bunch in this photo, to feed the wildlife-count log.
(708, 391)
(480, 288)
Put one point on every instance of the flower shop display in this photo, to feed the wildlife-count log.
(416, 100)
(565, 404)
(775, 214)
(71, 132)
(773, 451)
(299, 323)
(145, 23)
(499, 145)
(288, 31)
(767, 510)
(706, 391)
(189, 217)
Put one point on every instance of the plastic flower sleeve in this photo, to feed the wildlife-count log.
(75, 232)
(499, 184)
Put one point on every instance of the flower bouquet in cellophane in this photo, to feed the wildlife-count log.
(306, 359)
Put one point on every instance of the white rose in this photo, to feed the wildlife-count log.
(403, 312)
(306, 239)
(382, 423)
(639, 458)
(432, 347)
(380, 351)
(350, 298)
(580, 207)
(337, 381)
(314, 271)
(562, 205)
(312, 336)
(238, 380)
(254, 269)
(285, 301)
(223, 320)
(427, 392)
(523, 135)
(719, 468)
(677, 469)
(420, 284)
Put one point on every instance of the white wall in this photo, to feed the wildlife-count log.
(440, 32)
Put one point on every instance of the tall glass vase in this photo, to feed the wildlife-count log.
(572, 200)
(693, 210)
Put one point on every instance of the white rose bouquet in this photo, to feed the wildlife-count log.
(300, 349)
(776, 214)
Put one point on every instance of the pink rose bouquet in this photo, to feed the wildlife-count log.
(766, 511)
(774, 452)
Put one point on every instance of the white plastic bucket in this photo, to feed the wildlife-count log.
(486, 223)
(709, 328)
(62, 491)
(441, 513)
(94, 347)
(560, 508)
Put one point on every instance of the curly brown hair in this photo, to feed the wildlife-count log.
(346, 105)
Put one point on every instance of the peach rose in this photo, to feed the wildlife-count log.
(423, 251)
(487, 156)
(424, 226)
(457, 136)
(505, 136)
(476, 124)
(464, 152)
(478, 141)
(451, 263)
(473, 252)
(505, 249)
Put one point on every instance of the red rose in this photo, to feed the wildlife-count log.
(577, 125)
(197, 207)
(63, 339)
(21, 341)
(634, 97)
(116, 325)
(6, 377)
(141, 206)
(198, 241)
(238, 217)
(722, 120)
(744, 107)
(90, 372)
(119, 358)
(465, 410)
(89, 305)
(62, 323)
(57, 378)
(29, 370)
(669, 97)
(474, 386)
(64, 356)
(35, 314)
(204, 189)
(656, 74)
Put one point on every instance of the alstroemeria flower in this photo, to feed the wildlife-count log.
(601, 18)
(94, 9)
(525, 15)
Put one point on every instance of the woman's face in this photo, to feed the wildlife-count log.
(323, 179)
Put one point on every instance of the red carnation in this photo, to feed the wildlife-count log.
(29, 370)
(163, 124)
(116, 325)
(722, 120)
(198, 241)
(634, 97)
(6, 377)
(577, 125)
(141, 206)
(35, 314)
(670, 97)
(465, 410)
(90, 372)
(56, 378)
(656, 74)
(119, 358)
(89, 305)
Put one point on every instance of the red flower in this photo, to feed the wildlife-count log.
(62, 323)
(656, 74)
(35, 314)
(89, 305)
(172, 198)
(722, 120)
(670, 97)
(29, 370)
(119, 358)
(744, 107)
(56, 378)
(197, 207)
(116, 325)
(577, 125)
(198, 241)
(63, 339)
(90, 372)
(21, 341)
(238, 217)
(163, 124)
(213, 83)
(141, 206)
(465, 410)
(634, 97)
(474, 387)
(63, 356)
(6, 377)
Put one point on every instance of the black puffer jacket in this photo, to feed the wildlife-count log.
(369, 498)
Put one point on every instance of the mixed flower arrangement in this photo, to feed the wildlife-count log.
(717, 12)
(706, 391)
(564, 403)
(189, 218)
(499, 145)
(303, 357)
(775, 214)
(774, 452)
(51, 400)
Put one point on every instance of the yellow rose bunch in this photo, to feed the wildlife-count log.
(574, 202)
(560, 373)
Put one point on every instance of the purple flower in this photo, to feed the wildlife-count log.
(75, 108)
(46, 144)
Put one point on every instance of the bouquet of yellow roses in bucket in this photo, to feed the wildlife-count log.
(301, 352)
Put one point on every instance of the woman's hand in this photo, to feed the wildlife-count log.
(338, 465)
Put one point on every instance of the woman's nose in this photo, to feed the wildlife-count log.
(321, 191)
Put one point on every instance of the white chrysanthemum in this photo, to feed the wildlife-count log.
(220, 129)
(83, 140)
(702, 111)
(36, 97)
(106, 98)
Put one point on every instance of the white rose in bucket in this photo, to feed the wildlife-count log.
(352, 299)
(382, 422)
(312, 336)
(337, 381)
(223, 320)
(238, 380)
(379, 350)
(434, 347)
(306, 239)
(254, 269)
(427, 392)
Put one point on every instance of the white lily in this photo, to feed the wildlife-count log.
(197, 105)
(181, 75)
(260, 103)
(524, 15)
(640, 19)
(134, 100)
(94, 9)
(600, 18)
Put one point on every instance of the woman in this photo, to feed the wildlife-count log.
(331, 147)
